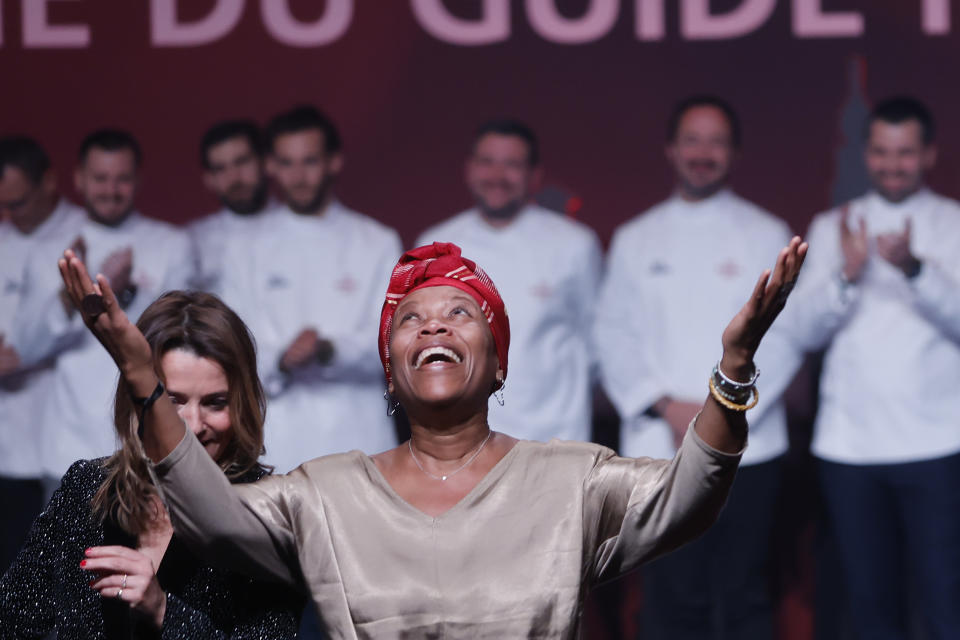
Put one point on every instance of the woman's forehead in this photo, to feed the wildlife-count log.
(184, 364)
(439, 294)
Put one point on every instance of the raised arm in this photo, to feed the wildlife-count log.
(637, 509)
(243, 526)
(720, 427)
(125, 343)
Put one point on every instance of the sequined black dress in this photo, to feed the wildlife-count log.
(45, 589)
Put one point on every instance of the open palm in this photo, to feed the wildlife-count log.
(120, 337)
(742, 336)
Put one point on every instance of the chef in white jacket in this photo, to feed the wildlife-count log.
(310, 285)
(882, 291)
(548, 269)
(231, 152)
(674, 272)
(36, 220)
(141, 258)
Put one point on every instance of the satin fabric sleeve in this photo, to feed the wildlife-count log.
(636, 509)
(248, 527)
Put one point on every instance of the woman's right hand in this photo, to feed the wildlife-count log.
(128, 575)
(106, 320)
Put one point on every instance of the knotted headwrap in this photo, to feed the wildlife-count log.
(440, 264)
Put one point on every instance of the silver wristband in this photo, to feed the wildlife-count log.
(726, 381)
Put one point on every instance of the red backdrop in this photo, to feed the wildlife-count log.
(408, 100)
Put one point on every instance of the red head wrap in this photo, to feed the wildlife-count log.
(440, 264)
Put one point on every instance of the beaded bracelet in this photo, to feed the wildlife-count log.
(739, 398)
(733, 406)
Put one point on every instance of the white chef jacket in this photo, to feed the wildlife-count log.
(210, 236)
(890, 388)
(77, 417)
(328, 272)
(676, 275)
(547, 270)
(24, 392)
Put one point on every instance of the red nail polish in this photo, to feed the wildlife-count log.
(86, 551)
(83, 563)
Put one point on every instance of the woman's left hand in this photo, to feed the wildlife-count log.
(742, 336)
(108, 322)
(128, 575)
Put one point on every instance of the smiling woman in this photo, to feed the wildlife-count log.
(102, 558)
(461, 532)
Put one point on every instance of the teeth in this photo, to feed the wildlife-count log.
(434, 351)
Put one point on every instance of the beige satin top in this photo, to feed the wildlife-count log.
(513, 559)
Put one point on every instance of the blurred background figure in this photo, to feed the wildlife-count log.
(141, 258)
(674, 273)
(309, 284)
(549, 269)
(35, 221)
(231, 152)
(881, 291)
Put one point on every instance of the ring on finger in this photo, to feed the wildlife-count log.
(123, 583)
(92, 305)
(119, 593)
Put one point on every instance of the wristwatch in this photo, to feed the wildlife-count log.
(846, 286)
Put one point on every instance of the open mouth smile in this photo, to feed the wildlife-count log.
(437, 354)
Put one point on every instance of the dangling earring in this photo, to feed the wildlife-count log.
(392, 403)
(498, 394)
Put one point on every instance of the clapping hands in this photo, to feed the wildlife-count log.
(894, 247)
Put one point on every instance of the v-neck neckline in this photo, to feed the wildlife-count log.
(495, 472)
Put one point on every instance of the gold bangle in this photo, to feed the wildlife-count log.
(732, 405)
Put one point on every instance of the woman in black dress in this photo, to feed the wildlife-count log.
(101, 561)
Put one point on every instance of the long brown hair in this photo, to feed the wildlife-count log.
(203, 325)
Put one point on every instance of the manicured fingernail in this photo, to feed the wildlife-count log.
(87, 551)
(83, 563)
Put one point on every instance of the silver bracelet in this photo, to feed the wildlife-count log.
(725, 381)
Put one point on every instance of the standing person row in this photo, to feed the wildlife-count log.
(882, 293)
(675, 273)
